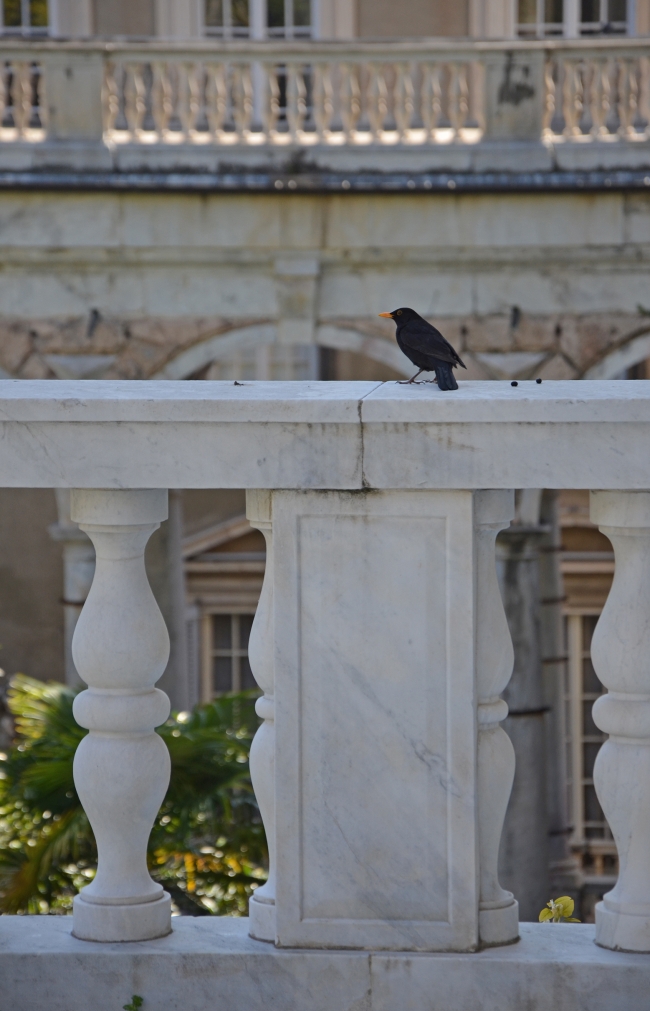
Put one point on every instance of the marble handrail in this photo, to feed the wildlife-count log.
(380, 642)
(162, 434)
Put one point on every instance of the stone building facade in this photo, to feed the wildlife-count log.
(141, 286)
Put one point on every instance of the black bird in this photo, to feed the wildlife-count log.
(426, 347)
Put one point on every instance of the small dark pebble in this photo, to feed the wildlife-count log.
(514, 383)
(538, 381)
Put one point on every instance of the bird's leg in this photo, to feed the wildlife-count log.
(405, 382)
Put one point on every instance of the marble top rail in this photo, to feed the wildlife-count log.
(355, 435)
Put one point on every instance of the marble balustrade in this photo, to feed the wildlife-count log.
(380, 642)
(156, 105)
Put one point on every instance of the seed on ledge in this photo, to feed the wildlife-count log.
(538, 381)
(514, 383)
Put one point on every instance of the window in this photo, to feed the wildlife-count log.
(289, 19)
(541, 17)
(232, 19)
(227, 19)
(24, 17)
(609, 16)
(544, 18)
(225, 654)
(585, 739)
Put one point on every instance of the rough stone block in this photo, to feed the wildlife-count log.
(488, 333)
(557, 367)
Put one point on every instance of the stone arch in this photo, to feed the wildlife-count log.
(221, 346)
(634, 349)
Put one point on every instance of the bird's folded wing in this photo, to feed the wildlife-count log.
(429, 341)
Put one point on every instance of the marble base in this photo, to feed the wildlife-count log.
(499, 925)
(210, 962)
(140, 922)
(261, 920)
(622, 931)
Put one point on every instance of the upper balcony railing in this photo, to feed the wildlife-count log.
(242, 100)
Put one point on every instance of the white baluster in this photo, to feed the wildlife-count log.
(242, 99)
(121, 768)
(262, 756)
(644, 92)
(4, 72)
(404, 93)
(477, 93)
(349, 94)
(216, 97)
(134, 99)
(111, 96)
(431, 98)
(498, 909)
(599, 97)
(572, 97)
(377, 100)
(323, 100)
(271, 100)
(620, 652)
(161, 98)
(40, 103)
(189, 97)
(549, 97)
(458, 97)
(296, 100)
(628, 93)
(22, 95)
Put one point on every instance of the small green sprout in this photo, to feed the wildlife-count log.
(136, 1002)
(558, 911)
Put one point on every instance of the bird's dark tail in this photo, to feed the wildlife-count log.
(445, 376)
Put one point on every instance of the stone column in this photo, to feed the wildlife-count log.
(296, 285)
(620, 653)
(71, 19)
(565, 875)
(122, 767)
(498, 910)
(262, 755)
(524, 849)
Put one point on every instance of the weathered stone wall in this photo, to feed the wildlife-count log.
(556, 280)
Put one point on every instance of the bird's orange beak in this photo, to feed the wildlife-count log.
(388, 315)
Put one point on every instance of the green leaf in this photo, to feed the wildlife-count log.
(207, 846)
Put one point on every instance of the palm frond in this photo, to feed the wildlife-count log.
(207, 844)
(63, 844)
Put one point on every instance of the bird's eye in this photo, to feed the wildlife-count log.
(399, 312)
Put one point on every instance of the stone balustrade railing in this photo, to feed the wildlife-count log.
(378, 101)
(380, 642)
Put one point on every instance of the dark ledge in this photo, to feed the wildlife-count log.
(329, 182)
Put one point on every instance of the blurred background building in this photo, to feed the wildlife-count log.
(233, 189)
